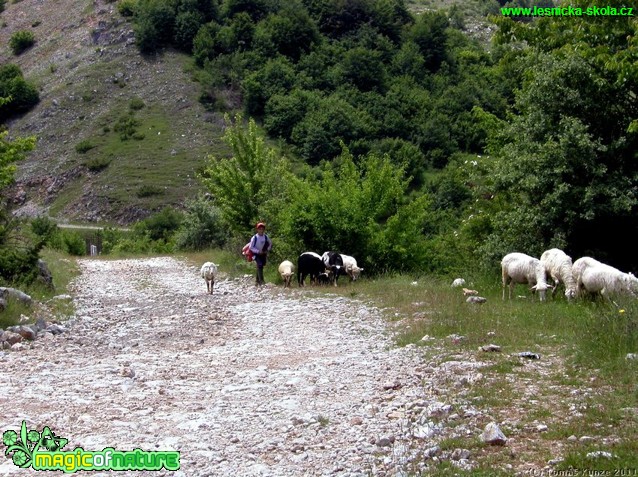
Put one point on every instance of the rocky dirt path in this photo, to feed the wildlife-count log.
(245, 382)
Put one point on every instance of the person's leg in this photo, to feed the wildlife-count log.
(260, 262)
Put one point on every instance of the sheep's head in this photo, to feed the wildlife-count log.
(570, 293)
(355, 272)
(631, 282)
(542, 288)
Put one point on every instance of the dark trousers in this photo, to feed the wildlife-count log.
(260, 260)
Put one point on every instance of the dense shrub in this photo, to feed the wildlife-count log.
(277, 76)
(187, 25)
(68, 241)
(291, 32)
(98, 164)
(21, 41)
(18, 266)
(43, 227)
(20, 96)
(160, 226)
(155, 22)
(136, 104)
(126, 125)
(202, 227)
(317, 136)
(126, 7)
(84, 146)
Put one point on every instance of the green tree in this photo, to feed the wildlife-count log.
(18, 255)
(359, 208)
(257, 9)
(284, 111)
(202, 227)
(242, 183)
(11, 151)
(277, 76)
(337, 18)
(187, 24)
(290, 32)
(364, 69)
(429, 33)
(318, 135)
(565, 168)
(204, 43)
(154, 24)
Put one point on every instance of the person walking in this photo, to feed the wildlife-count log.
(260, 245)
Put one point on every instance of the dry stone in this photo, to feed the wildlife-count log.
(492, 434)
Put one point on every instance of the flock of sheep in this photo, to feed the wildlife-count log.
(584, 275)
(321, 269)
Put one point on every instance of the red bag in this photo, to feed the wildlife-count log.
(246, 252)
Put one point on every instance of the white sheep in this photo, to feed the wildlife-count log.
(286, 270)
(351, 268)
(458, 282)
(578, 268)
(521, 268)
(607, 281)
(558, 265)
(209, 270)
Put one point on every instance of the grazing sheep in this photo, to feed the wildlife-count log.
(309, 263)
(209, 270)
(607, 281)
(579, 267)
(333, 262)
(558, 265)
(467, 292)
(521, 268)
(458, 282)
(286, 270)
(351, 268)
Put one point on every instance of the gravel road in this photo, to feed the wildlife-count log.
(263, 382)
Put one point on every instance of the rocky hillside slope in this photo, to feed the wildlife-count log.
(88, 69)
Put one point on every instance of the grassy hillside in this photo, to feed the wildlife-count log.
(88, 69)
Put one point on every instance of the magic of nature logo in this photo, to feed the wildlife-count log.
(44, 451)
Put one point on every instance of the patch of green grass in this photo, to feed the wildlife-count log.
(148, 190)
(66, 196)
(11, 314)
(150, 163)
